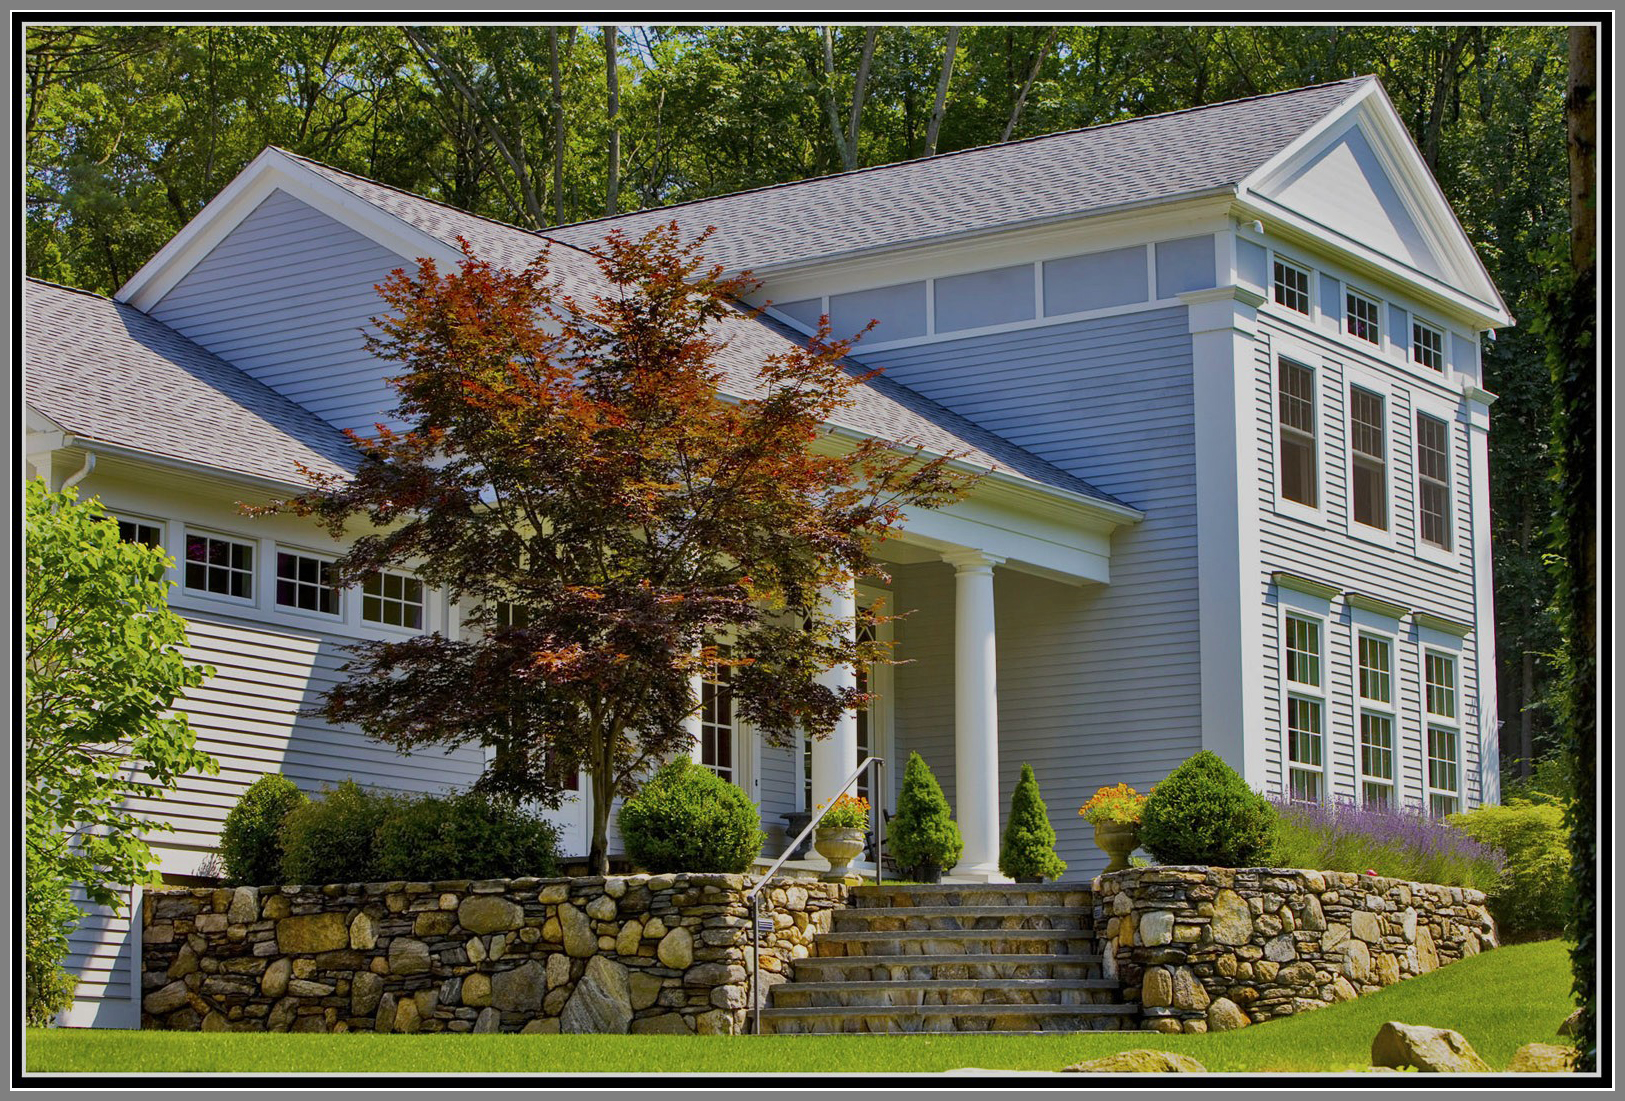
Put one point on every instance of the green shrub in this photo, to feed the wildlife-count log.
(1204, 813)
(1029, 839)
(50, 917)
(465, 836)
(250, 846)
(923, 837)
(688, 819)
(1533, 892)
(333, 839)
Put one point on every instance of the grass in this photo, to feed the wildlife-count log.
(1500, 1001)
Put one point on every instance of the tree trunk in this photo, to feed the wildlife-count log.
(859, 88)
(941, 105)
(1038, 65)
(846, 142)
(603, 798)
(1444, 87)
(612, 81)
(558, 125)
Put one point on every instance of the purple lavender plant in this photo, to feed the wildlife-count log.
(1403, 844)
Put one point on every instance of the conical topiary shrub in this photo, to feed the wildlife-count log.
(1028, 851)
(923, 837)
(1204, 813)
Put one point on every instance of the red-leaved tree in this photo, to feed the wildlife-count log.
(574, 473)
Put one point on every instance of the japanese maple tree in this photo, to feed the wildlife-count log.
(574, 473)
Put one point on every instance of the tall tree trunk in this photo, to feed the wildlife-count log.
(859, 88)
(558, 124)
(846, 142)
(612, 81)
(1444, 89)
(1038, 65)
(941, 106)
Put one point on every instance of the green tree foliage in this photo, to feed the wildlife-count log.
(1533, 894)
(49, 918)
(688, 819)
(1029, 838)
(1204, 813)
(922, 835)
(250, 841)
(103, 665)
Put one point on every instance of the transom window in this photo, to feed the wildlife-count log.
(1444, 733)
(305, 581)
(1427, 345)
(1376, 721)
(1296, 395)
(1369, 491)
(1433, 480)
(138, 531)
(395, 599)
(217, 565)
(1305, 710)
(1362, 317)
(1291, 286)
(717, 718)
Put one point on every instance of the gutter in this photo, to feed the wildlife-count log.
(94, 448)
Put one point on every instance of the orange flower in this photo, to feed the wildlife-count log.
(1114, 804)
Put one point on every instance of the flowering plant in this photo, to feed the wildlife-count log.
(847, 812)
(1114, 804)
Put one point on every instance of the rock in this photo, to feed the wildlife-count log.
(1281, 949)
(558, 970)
(1343, 990)
(489, 1020)
(1387, 969)
(427, 1002)
(245, 906)
(550, 1026)
(1335, 934)
(1157, 987)
(185, 963)
(1189, 993)
(1295, 974)
(714, 974)
(437, 923)
(602, 1002)
(408, 956)
(407, 1017)
(579, 939)
(1232, 920)
(363, 932)
(365, 990)
(305, 988)
(489, 914)
(662, 1024)
(1363, 924)
(1156, 927)
(519, 990)
(1356, 960)
(645, 989)
(1429, 1049)
(476, 989)
(1407, 925)
(1544, 1059)
(631, 934)
(654, 928)
(1225, 1015)
(384, 1021)
(276, 908)
(1570, 1024)
(164, 1000)
(602, 908)
(312, 933)
(553, 894)
(1141, 1061)
(718, 1022)
(475, 949)
(676, 948)
(1427, 957)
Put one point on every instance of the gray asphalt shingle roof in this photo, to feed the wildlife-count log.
(1155, 158)
(107, 372)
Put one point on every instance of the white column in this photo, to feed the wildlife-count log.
(696, 688)
(1475, 481)
(834, 757)
(976, 714)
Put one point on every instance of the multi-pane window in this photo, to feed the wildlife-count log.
(1376, 721)
(218, 565)
(395, 599)
(1361, 317)
(1305, 710)
(1369, 488)
(1291, 286)
(1427, 345)
(510, 614)
(717, 718)
(1444, 733)
(1295, 387)
(137, 531)
(1433, 480)
(305, 581)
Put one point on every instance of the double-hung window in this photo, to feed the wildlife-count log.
(717, 717)
(1427, 345)
(1291, 286)
(1305, 709)
(1368, 489)
(393, 599)
(219, 566)
(1295, 393)
(1442, 710)
(1433, 480)
(305, 581)
(140, 531)
(1361, 317)
(1376, 689)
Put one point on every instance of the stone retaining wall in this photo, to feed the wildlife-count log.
(1216, 948)
(640, 953)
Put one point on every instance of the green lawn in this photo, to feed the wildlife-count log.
(1499, 1001)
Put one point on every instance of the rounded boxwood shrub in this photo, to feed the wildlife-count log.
(334, 839)
(1533, 893)
(688, 819)
(250, 845)
(469, 835)
(1204, 813)
(1028, 851)
(923, 837)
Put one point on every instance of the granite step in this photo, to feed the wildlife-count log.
(914, 968)
(931, 942)
(893, 918)
(945, 992)
(949, 1018)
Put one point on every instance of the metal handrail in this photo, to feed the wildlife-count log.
(877, 766)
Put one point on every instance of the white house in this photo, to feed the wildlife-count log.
(1222, 366)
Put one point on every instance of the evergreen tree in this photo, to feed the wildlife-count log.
(923, 834)
(1029, 839)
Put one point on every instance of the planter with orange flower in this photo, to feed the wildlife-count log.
(1115, 814)
(841, 834)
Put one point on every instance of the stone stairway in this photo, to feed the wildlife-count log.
(953, 958)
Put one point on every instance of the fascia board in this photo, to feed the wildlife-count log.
(185, 467)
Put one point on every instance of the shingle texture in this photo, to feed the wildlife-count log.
(108, 372)
(1160, 157)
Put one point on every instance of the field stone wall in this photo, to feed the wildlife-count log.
(1205, 949)
(639, 953)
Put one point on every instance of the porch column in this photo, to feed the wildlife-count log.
(834, 757)
(976, 714)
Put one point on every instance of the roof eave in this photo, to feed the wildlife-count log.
(189, 466)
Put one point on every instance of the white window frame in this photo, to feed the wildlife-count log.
(1447, 412)
(423, 603)
(1443, 369)
(1356, 376)
(254, 571)
(334, 617)
(1303, 356)
(1450, 725)
(1310, 609)
(710, 677)
(1368, 705)
(141, 522)
(1376, 304)
(1308, 273)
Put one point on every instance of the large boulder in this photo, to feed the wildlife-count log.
(602, 1002)
(489, 914)
(1141, 1061)
(1544, 1059)
(1427, 1049)
(1570, 1023)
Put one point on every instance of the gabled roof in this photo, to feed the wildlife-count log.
(107, 373)
(1156, 158)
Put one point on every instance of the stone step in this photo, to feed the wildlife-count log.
(884, 918)
(932, 942)
(1076, 895)
(950, 1018)
(944, 992)
(947, 966)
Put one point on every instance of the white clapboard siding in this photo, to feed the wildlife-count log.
(101, 954)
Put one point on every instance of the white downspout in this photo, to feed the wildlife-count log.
(80, 475)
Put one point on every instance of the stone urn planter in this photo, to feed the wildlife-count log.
(1117, 840)
(838, 845)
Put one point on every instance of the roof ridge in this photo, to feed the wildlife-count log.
(959, 152)
(74, 290)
